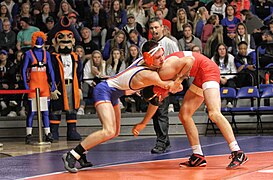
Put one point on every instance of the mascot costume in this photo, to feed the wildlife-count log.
(68, 75)
(37, 69)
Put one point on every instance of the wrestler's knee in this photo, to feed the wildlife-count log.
(109, 133)
(215, 116)
(184, 116)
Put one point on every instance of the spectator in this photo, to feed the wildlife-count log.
(38, 6)
(196, 48)
(24, 35)
(136, 39)
(8, 82)
(119, 41)
(117, 19)
(159, 4)
(219, 8)
(138, 11)
(243, 35)
(200, 21)
(64, 9)
(229, 24)
(97, 21)
(134, 53)
(189, 40)
(225, 62)
(252, 22)
(87, 43)
(213, 41)
(73, 19)
(132, 24)
(50, 23)
(246, 66)
(167, 33)
(7, 38)
(177, 28)
(175, 5)
(4, 14)
(116, 62)
(24, 13)
(12, 6)
(208, 29)
(239, 5)
(41, 17)
(193, 7)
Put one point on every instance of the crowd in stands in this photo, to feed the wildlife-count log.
(113, 32)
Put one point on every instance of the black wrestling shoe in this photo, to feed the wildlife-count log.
(69, 162)
(195, 160)
(238, 159)
(83, 162)
(159, 149)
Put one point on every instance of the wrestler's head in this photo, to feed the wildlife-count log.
(38, 39)
(153, 54)
(64, 41)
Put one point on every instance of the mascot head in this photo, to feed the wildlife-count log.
(63, 36)
(38, 39)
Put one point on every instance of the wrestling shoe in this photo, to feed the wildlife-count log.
(195, 160)
(83, 162)
(238, 158)
(69, 162)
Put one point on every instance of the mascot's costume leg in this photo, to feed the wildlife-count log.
(38, 72)
(68, 75)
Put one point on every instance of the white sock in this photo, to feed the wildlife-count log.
(47, 130)
(233, 146)
(29, 130)
(196, 149)
(76, 155)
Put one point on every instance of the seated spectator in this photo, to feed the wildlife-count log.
(177, 28)
(24, 13)
(4, 14)
(117, 19)
(225, 61)
(41, 17)
(252, 22)
(188, 40)
(200, 21)
(167, 33)
(50, 23)
(13, 8)
(208, 29)
(116, 62)
(119, 41)
(159, 4)
(136, 8)
(246, 66)
(73, 19)
(96, 20)
(218, 7)
(266, 49)
(133, 54)
(213, 41)
(239, 5)
(174, 6)
(87, 43)
(8, 38)
(243, 35)
(132, 24)
(64, 9)
(24, 35)
(196, 49)
(193, 7)
(38, 6)
(229, 24)
(136, 39)
(9, 103)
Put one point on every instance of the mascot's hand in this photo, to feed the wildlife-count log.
(54, 95)
(137, 128)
